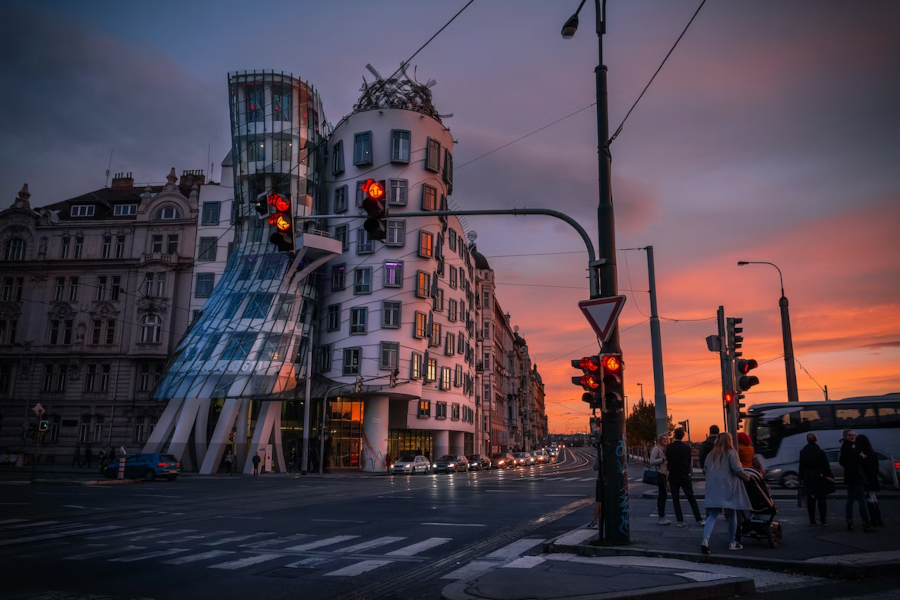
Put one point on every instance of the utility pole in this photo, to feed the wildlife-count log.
(659, 383)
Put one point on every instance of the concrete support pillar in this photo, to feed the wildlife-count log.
(375, 434)
(457, 442)
(441, 442)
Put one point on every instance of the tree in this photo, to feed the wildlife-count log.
(640, 426)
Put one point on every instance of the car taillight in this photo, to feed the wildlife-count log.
(161, 464)
(177, 464)
(897, 465)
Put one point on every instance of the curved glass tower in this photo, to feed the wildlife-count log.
(249, 348)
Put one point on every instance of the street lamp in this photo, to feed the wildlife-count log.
(642, 391)
(789, 371)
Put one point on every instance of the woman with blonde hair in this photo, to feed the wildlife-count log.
(725, 491)
(658, 461)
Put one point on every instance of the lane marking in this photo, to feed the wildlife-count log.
(336, 521)
(239, 538)
(565, 495)
(122, 533)
(281, 540)
(516, 548)
(195, 557)
(382, 541)
(471, 570)
(73, 506)
(103, 552)
(359, 568)
(455, 524)
(149, 555)
(320, 543)
(419, 547)
(154, 496)
(245, 562)
(164, 534)
(201, 536)
(53, 536)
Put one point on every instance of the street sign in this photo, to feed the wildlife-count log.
(602, 314)
(38, 410)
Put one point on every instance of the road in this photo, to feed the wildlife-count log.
(279, 537)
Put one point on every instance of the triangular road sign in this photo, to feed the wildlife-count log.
(602, 314)
(38, 409)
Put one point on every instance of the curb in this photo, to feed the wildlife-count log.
(826, 570)
(687, 591)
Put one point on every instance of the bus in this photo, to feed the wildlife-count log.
(779, 430)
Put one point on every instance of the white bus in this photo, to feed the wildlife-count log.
(779, 430)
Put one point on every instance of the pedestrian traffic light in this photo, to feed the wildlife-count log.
(744, 382)
(394, 374)
(43, 426)
(590, 380)
(374, 205)
(734, 339)
(612, 366)
(281, 217)
(357, 388)
(728, 398)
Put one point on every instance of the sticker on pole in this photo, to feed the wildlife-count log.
(602, 314)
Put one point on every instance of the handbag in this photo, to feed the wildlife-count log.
(651, 477)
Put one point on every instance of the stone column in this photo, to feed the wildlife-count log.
(441, 442)
(457, 442)
(375, 434)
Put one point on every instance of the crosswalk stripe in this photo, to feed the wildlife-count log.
(149, 555)
(38, 524)
(281, 540)
(238, 538)
(326, 542)
(7, 521)
(589, 479)
(309, 563)
(121, 533)
(516, 548)
(163, 534)
(382, 541)
(359, 568)
(102, 552)
(473, 569)
(419, 547)
(195, 557)
(201, 536)
(53, 536)
(245, 562)
(525, 562)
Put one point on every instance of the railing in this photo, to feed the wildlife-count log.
(319, 232)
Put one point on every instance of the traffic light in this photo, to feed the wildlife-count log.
(611, 367)
(728, 398)
(358, 387)
(394, 374)
(281, 217)
(43, 426)
(744, 382)
(376, 209)
(734, 339)
(261, 205)
(590, 379)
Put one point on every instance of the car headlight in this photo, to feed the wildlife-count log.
(775, 471)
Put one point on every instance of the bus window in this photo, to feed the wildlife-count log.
(889, 415)
(859, 417)
(815, 419)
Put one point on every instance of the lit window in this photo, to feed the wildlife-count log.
(393, 274)
(424, 409)
(435, 335)
(431, 370)
(416, 366)
(445, 378)
(421, 325)
(450, 344)
(423, 284)
(274, 347)
(426, 244)
(400, 142)
(429, 198)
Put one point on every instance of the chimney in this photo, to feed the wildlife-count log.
(189, 178)
(122, 181)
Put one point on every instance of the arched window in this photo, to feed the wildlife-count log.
(14, 249)
(167, 213)
(151, 329)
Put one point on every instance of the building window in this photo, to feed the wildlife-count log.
(390, 314)
(360, 194)
(454, 277)
(454, 414)
(448, 170)
(440, 410)
(125, 210)
(337, 277)
(284, 307)
(486, 331)
(486, 300)
(423, 284)
(337, 158)
(424, 409)
(362, 280)
(107, 246)
(96, 331)
(390, 355)
(363, 244)
(210, 214)
(73, 289)
(399, 189)
(151, 329)
(110, 331)
(258, 306)
(63, 250)
(393, 274)
(168, 213)
(426, 244)
(120, 246)
(439, 300)
(90, 378)
(256, 102)
(238, 345)
(362, 149)
(172, 245)
(358, 318)
(207, 249)
(257, 151)
(433, 155)
(400, 142)
(12, 288)
(282, 102)
(204, 285)
(451, 240)
(421, 326)
(229, 251)
(101, 288)
(351, 361)
(271, 266)
(275, 347)
(429, 198)
(451, 310)
(148, 377)
(333, 317)
(415, 371)
(156, 244)
(281, 150)
(232, 305)
(60, 288)
(396, 233)
(104, 377)
(8, 331)
(340, 199)
(435, 335)
(340, 233)
(323, 358)
(461, 346)
(79, 247)
(81, 210)
(450, 344)
(431, 370)
(458, 379)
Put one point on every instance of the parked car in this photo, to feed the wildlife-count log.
(477, 462)
(451, 463)
(502, 460)
(788, 475)
(410, 465)
(147, 466)
(524, 459)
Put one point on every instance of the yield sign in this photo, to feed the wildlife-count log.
(602, 314)
(38, 409)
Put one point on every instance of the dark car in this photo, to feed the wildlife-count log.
(477, 462)
(502, 460)
(146, 466)
(451, 463)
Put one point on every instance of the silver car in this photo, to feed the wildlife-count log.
(410, 465)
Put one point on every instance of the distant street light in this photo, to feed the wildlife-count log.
(789, 371)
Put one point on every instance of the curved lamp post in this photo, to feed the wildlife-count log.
(790, 372)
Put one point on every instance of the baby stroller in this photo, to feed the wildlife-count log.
(759, 523)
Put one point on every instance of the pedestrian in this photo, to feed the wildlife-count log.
(292, 460)
(873, 479)
(387, 462)
(598, 491)
(76, 457)
(326, 457)
(679, 464)
(725, 492)
(851, 459)
(816, 478)
(256, 465)
(707, 445)
(658, 461)
(229, 462)
(745, 450)
(88, 455)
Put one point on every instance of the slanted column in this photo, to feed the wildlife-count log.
(375, 433)
(441, 442)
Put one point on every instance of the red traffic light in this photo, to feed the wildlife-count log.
(374, 189)
(745, 366)
(281, 222)
(728, 397)
(588, 382)
(279, 203)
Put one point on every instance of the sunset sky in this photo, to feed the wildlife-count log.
(772, 134)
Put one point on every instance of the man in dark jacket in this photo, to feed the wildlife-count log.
(707, 445)
(678, 459)
(817, 479)
(851, 459)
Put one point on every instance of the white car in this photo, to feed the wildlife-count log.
(410, 465)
